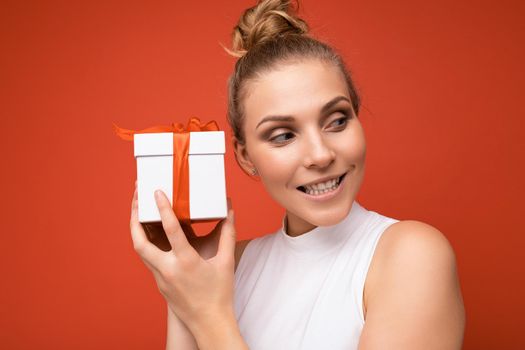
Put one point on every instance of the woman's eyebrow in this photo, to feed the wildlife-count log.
(289, 118)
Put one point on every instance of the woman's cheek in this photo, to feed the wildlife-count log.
(278, 159)
(276, 169)
(358, 151)
(353, 146)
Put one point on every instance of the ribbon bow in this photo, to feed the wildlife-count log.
(181, 143)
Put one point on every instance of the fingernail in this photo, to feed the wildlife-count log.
(157, 194)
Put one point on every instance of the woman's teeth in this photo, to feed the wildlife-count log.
(322, 187)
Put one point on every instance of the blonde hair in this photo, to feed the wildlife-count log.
(267, 34)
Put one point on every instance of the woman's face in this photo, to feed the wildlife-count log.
(300, 130)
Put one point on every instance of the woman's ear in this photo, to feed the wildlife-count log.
(242, 157)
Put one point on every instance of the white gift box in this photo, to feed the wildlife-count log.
(207, 185)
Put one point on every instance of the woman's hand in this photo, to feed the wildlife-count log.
(197, 284)
(206, 245)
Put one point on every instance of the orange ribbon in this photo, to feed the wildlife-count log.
(181, 145)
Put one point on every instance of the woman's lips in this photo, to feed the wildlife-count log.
(326, 195)
(303, 188)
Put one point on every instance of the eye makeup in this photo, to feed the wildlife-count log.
(280, 138)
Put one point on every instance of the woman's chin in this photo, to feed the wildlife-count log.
(328, 219)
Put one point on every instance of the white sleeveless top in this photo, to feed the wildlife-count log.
(306, 292)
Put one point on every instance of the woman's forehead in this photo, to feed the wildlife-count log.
(293, 89)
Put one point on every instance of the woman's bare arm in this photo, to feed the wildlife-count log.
(414, 298)
(179, 336)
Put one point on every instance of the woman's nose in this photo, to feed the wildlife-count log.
(318, 154)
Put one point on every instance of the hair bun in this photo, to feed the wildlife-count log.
(263, 22)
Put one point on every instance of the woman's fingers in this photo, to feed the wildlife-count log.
(179, 242)
(141, 244)
(134, 199)
(228, 237)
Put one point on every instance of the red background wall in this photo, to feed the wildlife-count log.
(442, 87)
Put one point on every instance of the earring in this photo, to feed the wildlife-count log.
(254, 171)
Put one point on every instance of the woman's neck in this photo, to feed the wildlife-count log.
(295, 226)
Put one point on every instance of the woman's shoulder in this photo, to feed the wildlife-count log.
(412, 286)
(412, 236)
(410, 242)
(407, 253)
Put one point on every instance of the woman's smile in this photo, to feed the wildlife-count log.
(323, 190)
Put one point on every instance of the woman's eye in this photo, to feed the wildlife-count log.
(281, 138)
(340, 122)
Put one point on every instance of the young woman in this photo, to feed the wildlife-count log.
(335, 275)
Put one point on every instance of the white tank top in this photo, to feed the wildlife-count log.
(306, 292)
